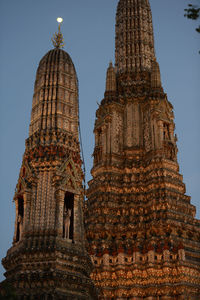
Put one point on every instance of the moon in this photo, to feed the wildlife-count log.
(59, 20)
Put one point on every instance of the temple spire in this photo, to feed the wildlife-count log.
(134, 36)
(49, 192)
(138, 218)
(58, 40)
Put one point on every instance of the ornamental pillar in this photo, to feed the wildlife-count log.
(171, 132)
(166, 254)
(16, 218)
(27, 200)
(160, 128)
(60, 195)
(78, 219)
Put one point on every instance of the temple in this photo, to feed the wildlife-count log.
(142, 234)
(136, 236)
(48, 258)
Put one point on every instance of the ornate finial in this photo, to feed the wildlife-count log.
(110, 63)
(58, 40)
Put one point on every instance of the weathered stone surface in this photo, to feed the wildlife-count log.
(48, 259)
(142, 234)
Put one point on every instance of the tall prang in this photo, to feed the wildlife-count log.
(48, 258)
(142, 234)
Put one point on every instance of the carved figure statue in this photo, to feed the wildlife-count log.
(67, 215)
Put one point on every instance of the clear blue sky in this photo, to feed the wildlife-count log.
(26, 28)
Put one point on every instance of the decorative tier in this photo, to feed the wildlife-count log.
(134, 42)
(48, 259)
(142, 234)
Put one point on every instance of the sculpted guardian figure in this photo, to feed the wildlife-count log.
(67, 215)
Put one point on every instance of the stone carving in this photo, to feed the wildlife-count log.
(117, 134)
(147, 136)
(127, 28)
(66, 222)
(137, 211)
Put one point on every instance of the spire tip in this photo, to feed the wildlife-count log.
(58, 40)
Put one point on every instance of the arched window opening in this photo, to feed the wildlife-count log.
(20, 218)
(68, 216)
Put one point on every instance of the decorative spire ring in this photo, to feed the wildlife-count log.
(58, 40)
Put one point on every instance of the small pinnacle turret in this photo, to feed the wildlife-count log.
(155, 76)
(111, 79)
